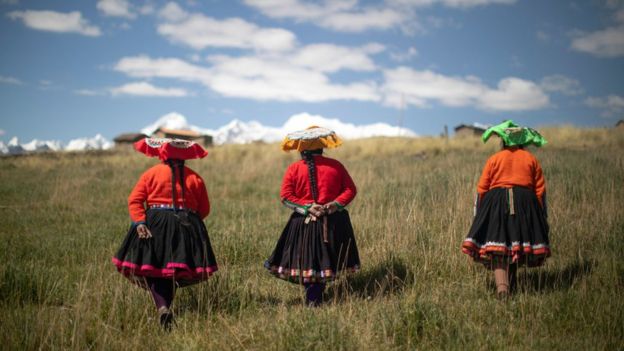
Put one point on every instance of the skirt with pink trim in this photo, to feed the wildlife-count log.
(315, 252)
(510, 224)
(178, 250)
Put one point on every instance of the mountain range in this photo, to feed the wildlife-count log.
(235, 132)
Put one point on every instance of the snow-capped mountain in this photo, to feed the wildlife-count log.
(96, 143)
(14, 147)
(235, 132)
(40, 145)
(239, 132)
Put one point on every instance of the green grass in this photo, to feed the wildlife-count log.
(65, 215)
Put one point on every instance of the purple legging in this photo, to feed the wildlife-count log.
(162, 291)
(314, 293)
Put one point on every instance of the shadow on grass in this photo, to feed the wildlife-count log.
(553, 280)
(388, 278)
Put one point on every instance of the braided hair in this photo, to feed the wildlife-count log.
(308, 157)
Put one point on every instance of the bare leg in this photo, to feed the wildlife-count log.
(501, 278)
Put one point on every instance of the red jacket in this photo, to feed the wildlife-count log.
(154, 187)
(512, 167)
(333, 183)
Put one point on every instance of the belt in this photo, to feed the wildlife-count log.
(169, 207)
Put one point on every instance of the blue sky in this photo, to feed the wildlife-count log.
(74, 68)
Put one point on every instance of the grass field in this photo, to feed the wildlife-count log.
(64, 216)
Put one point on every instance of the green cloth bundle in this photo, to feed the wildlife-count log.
(514, 135)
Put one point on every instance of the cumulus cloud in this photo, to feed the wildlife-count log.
(420, 88)
(253, 77)
(610, 105)
(10, 80)
(452, 3)
(603, 43)
(411, 53)
(608, 42)
(561, 84)
(147, 89)
(332, 58)
(172, 12)
(146, 67)
(52, 21)
(267, 79)
(350, 16)
(88, 92)
(115, 8)
(199, 32)
(339, 15)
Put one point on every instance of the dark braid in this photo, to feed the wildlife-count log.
(308, 157)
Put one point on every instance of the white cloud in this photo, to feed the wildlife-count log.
(604, 43)
(363, 20)
(52, 21)
(561, 84)
(88, 92)
(267, 79)
(339, 15)
(258, 78)
(350, 16)
(420, 88)
(147, 89)
(172, 12)
(10, 80)
(514, 94)
(611, 105)
(199, 32)
(452, 3)
(115, 8)
(147, 67)
(332, 58)
(411, 53)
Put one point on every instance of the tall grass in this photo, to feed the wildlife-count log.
(65, 215)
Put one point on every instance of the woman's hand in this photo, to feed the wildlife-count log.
(330, 207)
(316, 211)
(143, 232)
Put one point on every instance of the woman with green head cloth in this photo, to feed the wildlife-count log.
(510, 226)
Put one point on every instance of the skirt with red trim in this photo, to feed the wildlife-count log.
(178, 250)
(307, 253)
(511, 224)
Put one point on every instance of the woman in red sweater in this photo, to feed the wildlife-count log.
(317, 242)
(167, 245)
(510, 226)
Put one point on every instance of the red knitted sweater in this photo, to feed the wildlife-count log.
(333, 182)
(154, 187)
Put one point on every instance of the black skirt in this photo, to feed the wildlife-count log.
(509, 224)
(175, 251)
(303, 253)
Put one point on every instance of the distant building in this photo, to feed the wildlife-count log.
(125, 141)
(205, 140)
(469, 130)
(128, 138)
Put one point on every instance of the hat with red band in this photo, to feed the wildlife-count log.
(170, 149)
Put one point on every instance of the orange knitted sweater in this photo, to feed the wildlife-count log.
(154, 188)
(512, 167)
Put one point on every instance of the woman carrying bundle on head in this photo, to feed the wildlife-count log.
(317, 242)
(167, 245)
(510, 226)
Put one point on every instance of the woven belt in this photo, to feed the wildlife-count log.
(510, 199)
(169, 207)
